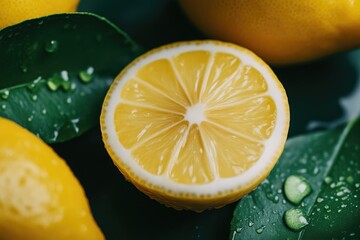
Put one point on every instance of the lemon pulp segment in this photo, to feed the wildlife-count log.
(197, 118)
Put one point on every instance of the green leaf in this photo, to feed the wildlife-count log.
(330, 162)
(55, 71)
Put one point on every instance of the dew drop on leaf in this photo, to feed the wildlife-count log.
(52, 84)
(51, 46)
(34, 97)
(4, 94)
(296, 188)
(295, 219)
(86, 76)
(30, 118)
(260, 229)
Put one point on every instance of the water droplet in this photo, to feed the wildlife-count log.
(340, 194)
(40, 22)
(295, 219)
(251, 224)
(69, 100)
(30, 118)
(296, 189)
(51, 46)
(4, 94)
(43, 111)
(319, 199)
(86, 76)
(34, 85)
(34, 97)
(74, 123)
(23, 69)
(350, 179)
(56, 134)
(53, 86)
(238, 229)
(3, 106)
(316, 171)
(260, 230)
(54, 82)
(327, 180)
(357, 185)
(64, 75)
(66, 86)
(73, 86)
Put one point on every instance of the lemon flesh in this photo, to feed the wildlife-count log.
(195, 122)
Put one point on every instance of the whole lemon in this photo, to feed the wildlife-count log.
(280, 31)
(15, 11)
(40, 198)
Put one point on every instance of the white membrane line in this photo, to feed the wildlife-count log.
(148, 106)
(138, 144)
(148, 85)
(237, 73)
(206, 75)
(180, 80)
(225, 105)
(176, 152)
(213, 164)
(235, 132)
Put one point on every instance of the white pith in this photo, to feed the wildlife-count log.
(195, 115)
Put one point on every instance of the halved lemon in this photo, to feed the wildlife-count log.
(195, 125)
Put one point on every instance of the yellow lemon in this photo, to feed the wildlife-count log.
(15, 11)
(195, 125)
(40, 198)
(280, 31)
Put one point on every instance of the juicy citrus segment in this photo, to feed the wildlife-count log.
(156, 154)
(192, 165)
(137, 92)
(236, 85)
(254, 118)
(161, 76)
(191, 67)
(195, 120)
(132, 123)
(231, 157)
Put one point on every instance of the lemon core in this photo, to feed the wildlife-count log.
(195, 114)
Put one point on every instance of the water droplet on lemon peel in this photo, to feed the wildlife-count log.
(40, 196)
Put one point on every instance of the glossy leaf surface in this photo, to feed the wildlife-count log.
(330, 162)
(56, 70)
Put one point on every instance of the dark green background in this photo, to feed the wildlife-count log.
(314, 90)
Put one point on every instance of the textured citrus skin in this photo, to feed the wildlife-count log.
(280, 31)
(12, 12)
(40, 198)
